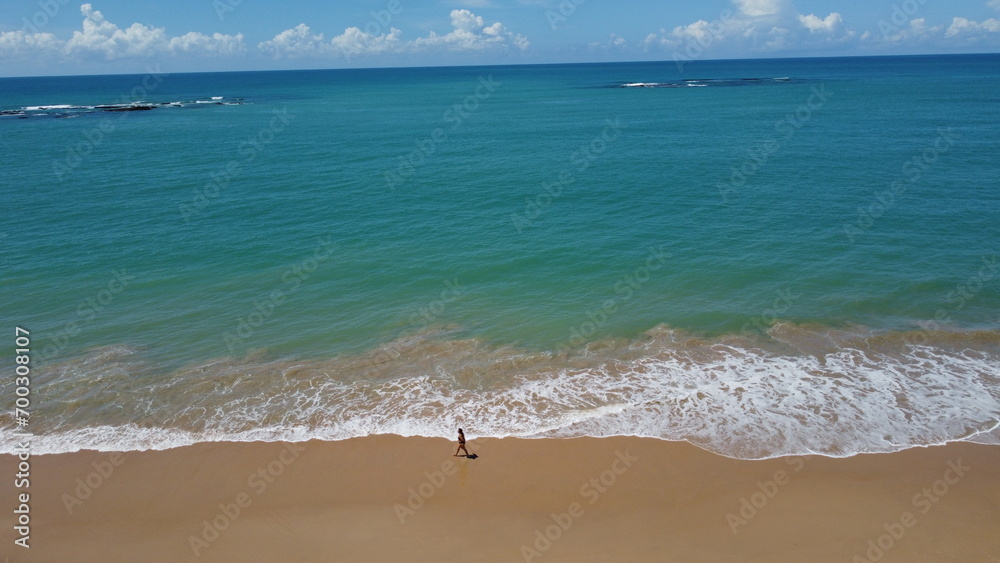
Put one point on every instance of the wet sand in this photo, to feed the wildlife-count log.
(387, 498)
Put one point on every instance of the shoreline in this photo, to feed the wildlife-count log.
(809, 392)
(580, 499)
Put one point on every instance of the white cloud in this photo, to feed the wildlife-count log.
(815, 24)
(915, 31)
(965, 27)
(760, 8)
(469, 34)
(777, 38)
(464, 20)
(702, 31)
(215, 44)
(472, 34)
(101, 38)
(960, 33)
(756, 25)
(775, 26)
(700, 34)
(995, 4)
(21, 43)
(298, 41)
(356, 42)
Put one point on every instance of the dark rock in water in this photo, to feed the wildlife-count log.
(132, 108)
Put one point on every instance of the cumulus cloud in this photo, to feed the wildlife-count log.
(356, 42)
(916, 31)
(298, 41)
(301, 42)
(763, 26)
(771, 26)
(701, 33)
(963, 26)
(469, 34)
(815, 24)
(215, 44)
(959, 33)
(21, 43)
(101, 38)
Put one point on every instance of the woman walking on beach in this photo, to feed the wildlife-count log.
(461, 443)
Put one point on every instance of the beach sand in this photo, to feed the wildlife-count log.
(388, 498)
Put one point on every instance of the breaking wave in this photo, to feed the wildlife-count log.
(800, 390)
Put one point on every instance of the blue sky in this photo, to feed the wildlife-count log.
(58, 37)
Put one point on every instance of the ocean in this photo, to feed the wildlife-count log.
(760, 257)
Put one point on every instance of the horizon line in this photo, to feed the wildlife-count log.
(665, 61)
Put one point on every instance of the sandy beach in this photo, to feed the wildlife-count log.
(388, 498)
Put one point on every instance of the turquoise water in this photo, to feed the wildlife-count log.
(469, 244)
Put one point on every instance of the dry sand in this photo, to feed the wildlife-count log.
(387, 498)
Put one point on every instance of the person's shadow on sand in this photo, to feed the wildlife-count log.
(461, 446)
